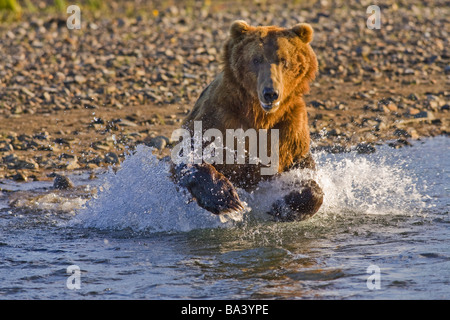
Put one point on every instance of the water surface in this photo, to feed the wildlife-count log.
(138, 237)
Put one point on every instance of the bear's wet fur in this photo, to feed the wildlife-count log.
(266, 70)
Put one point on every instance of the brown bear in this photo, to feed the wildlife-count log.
(266, 71)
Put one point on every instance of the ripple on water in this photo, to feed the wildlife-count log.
(139, 238)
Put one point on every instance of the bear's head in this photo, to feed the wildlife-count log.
(270, 63)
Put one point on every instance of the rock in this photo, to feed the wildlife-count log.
(91, 165)
(428, 115)
(413, 97)
(402, 133)
(126, 123)
(27, 164)
(96, 160)
(41, 136)
(399, 143)
(447, 69)
(413, 133)
(72, 164)
(13, 162)
(11, 158)
(333, 133)
(20, 176)
(62, 182)
(434, 105)
(79, 79)
(317, 104)
(365, 148)
(363, 50)
(66, 156)
(432, 97)
(6, 146)
(370, 107)
(381, 126)
(28, 92)
(17, 110)
(369, 136)
(158, 142)
(392, 107)
(47, 97)
(10, 35)
(112, 158)
(335, 148)
(99, 146)
(412, 111)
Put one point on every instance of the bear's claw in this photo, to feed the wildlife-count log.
(212, 190)
(299, 205)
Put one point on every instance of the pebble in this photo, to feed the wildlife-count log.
(71, 164)
(428, 115)
(399, 143)
(413, 97)
(401, 133)
(365, 148)
(412, 111)
(126, 123)
(13, 162)
(447, 69)
(62, 182)
(158, 142)
(112, 158)
(20, 176)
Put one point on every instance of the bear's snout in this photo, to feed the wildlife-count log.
(270, 95)
(269, 99)
(270, 81)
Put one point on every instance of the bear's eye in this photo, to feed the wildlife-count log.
(257, 61)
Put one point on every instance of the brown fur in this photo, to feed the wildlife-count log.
(258, 60)
(232, 100)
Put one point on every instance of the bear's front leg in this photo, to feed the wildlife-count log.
(299, 204)
(211, 189)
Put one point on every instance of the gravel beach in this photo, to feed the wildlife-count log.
(81, 99)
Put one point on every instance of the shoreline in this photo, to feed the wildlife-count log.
(76, 142)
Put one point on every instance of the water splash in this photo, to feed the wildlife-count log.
(370, 184)
(49, 202)
(142, 197)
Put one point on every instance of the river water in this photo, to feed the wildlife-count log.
(382, 233)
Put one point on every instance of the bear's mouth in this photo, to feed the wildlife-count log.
(269, 107)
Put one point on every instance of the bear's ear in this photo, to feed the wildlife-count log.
(304, 31)
(238, 27)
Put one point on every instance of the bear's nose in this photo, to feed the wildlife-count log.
(270, 95)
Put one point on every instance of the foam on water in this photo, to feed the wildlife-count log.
(50, 202)
(142, 197)
(369, 184)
